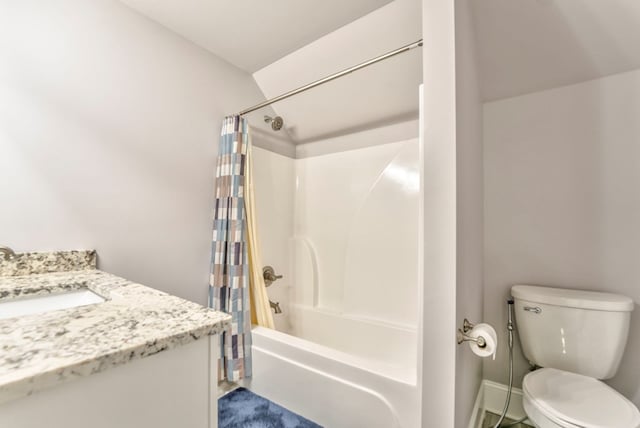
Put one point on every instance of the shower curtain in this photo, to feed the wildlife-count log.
(260, 310)
(230, 268)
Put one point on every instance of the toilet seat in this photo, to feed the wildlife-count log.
(571, 400)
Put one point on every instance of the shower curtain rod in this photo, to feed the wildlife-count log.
(332, 77)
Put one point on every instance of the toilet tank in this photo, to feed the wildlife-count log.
(579, 331)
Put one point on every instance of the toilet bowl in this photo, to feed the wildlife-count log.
(578, 337)
(560, 399)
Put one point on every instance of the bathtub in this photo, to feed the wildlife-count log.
(334, 388)
(395, 355)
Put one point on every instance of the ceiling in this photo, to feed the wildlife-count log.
(523, 46)
(252, 34)
(301, 41)
(383, 93)
(531, 45)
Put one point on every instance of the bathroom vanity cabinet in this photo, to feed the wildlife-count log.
(174, 388)
(83, 348)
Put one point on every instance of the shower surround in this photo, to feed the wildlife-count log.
(343, 228)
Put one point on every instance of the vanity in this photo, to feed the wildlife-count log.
(83, 348)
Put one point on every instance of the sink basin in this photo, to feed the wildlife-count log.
(51, 302)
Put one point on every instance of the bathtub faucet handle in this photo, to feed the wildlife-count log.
(269, 275)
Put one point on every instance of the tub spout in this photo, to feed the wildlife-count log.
(275, 306)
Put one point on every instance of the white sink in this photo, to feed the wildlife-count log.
(51, 302)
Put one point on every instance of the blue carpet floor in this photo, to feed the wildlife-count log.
(244, 409)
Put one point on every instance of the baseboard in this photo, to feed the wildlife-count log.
(491, 398)
(478, 408)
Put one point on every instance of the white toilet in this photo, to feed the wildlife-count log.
(577, 337)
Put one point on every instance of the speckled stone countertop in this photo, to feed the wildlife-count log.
(40, 350)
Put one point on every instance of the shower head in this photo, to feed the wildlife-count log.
(276, 122)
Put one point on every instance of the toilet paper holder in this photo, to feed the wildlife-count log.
(462, 335)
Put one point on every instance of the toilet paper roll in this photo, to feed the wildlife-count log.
(490, 337)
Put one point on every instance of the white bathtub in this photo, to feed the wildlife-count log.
(382, 347)
(331, 387)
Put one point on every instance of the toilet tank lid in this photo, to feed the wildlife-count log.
(573, 298)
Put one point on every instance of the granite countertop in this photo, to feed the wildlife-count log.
(41, 350)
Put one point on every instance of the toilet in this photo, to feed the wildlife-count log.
(577, 338)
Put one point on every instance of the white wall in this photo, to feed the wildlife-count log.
(382, 93)
(108, 135)
(469, 293)
(562, 207)
(382, 134)
(437, 371)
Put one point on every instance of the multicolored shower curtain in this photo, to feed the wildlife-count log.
(229, 280)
